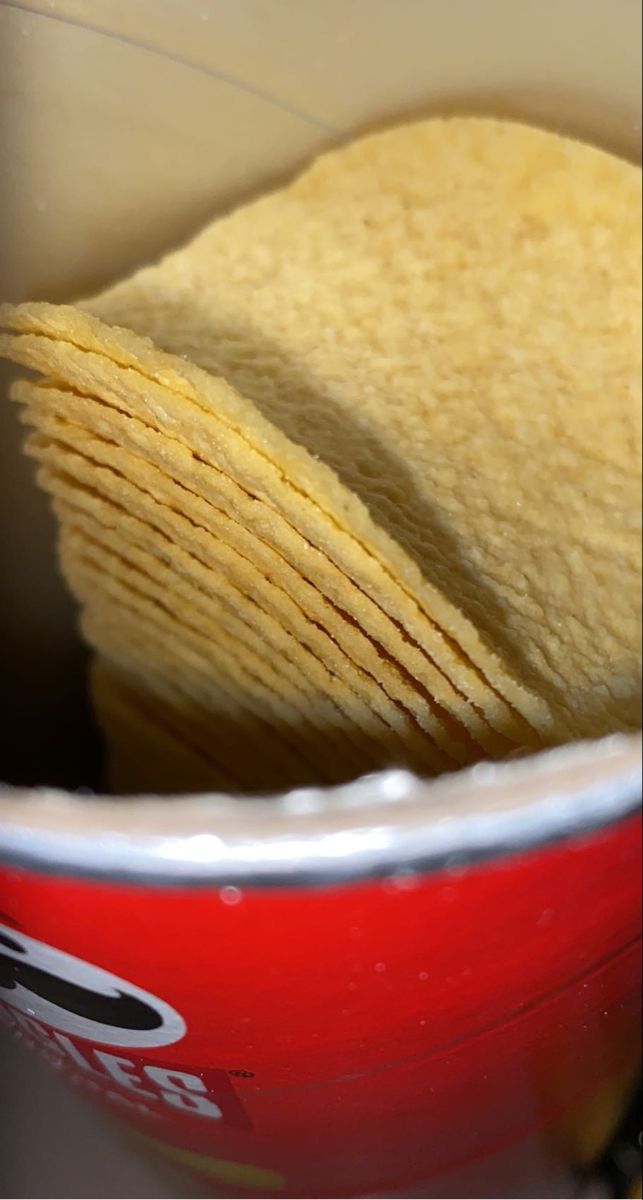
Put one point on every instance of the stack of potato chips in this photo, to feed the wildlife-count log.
(354, 478)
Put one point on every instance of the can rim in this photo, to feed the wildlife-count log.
(388, 824)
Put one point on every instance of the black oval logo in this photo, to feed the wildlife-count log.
(77, 997)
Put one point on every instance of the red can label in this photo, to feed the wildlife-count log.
(450, 1034)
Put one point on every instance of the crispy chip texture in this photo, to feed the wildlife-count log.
(387, 420)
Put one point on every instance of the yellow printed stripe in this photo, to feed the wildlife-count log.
(240, 1174)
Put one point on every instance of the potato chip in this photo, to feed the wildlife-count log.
(387, 377)
(144, 753)
(203, 614)
(174, 694)
(113, 501)
(301, 608)
(209, 685)
(191, 435)
(459, 302)
(202, 711)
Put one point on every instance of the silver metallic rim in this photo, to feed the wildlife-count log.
(389, 824)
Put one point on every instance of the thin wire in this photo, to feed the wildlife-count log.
(179, 60)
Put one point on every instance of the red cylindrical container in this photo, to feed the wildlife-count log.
(393, 989)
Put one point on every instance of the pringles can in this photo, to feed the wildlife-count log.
(395, 988)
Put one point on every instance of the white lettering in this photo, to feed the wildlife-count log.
(73, 1052)
(181, 1090)
(175, 1081)
(123, 1072)
(193, 1103)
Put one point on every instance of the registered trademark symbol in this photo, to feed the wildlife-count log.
(243, 1074)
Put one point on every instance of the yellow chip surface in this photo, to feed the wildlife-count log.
(204, 616)
(415, 375)
(97, 475)
(200, 696)
(447, 314)
(257, 498)
(189, 536)
(144, 751)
